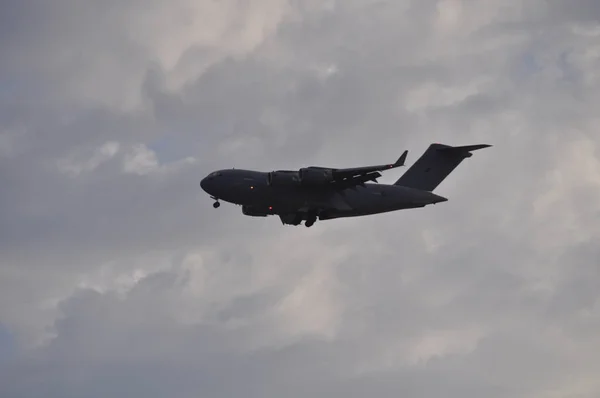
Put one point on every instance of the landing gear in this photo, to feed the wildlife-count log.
(216, 204)
(310, 219)
(297, 219)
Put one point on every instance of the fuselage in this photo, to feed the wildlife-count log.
(252, 189)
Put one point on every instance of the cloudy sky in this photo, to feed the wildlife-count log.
(118, 278)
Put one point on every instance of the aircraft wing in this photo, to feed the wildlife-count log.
(351, 177)
(346, 178)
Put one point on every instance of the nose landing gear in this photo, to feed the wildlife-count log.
(216, 204)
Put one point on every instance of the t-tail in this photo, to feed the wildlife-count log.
(436, 163)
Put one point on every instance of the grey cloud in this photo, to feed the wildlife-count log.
(490, 291)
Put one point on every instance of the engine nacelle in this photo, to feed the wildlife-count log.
(283, 178)
(311, 177)
(255, 212)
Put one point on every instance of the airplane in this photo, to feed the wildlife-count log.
(323, 193)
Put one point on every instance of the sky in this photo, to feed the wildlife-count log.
(118, 278)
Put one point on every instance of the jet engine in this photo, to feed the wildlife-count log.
(304, 177)
(283, 178)
(254, 211)
(311, 176)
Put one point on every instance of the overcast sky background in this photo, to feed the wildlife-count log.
(118, 278)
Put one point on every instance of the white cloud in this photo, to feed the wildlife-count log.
(442, 343)
(140, 160)
(312, 306)
(81, 162)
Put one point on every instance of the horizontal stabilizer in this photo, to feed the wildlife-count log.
(435, 165)
(463, 149)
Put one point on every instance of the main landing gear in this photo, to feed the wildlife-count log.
(216, 204)
(311, 218)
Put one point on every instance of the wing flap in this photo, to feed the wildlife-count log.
(357, 180)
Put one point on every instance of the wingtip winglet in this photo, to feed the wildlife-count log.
(402, 159)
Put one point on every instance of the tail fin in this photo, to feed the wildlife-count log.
(435, 165)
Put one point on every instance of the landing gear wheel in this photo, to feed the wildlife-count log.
(310, 219)
(216, 205)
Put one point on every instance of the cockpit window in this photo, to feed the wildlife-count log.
(215, 174)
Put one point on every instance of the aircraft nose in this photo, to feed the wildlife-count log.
(204, 184)
(209, 183)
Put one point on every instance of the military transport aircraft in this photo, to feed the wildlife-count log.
(323, 193)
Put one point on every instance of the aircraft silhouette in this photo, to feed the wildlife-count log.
(324, 193)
